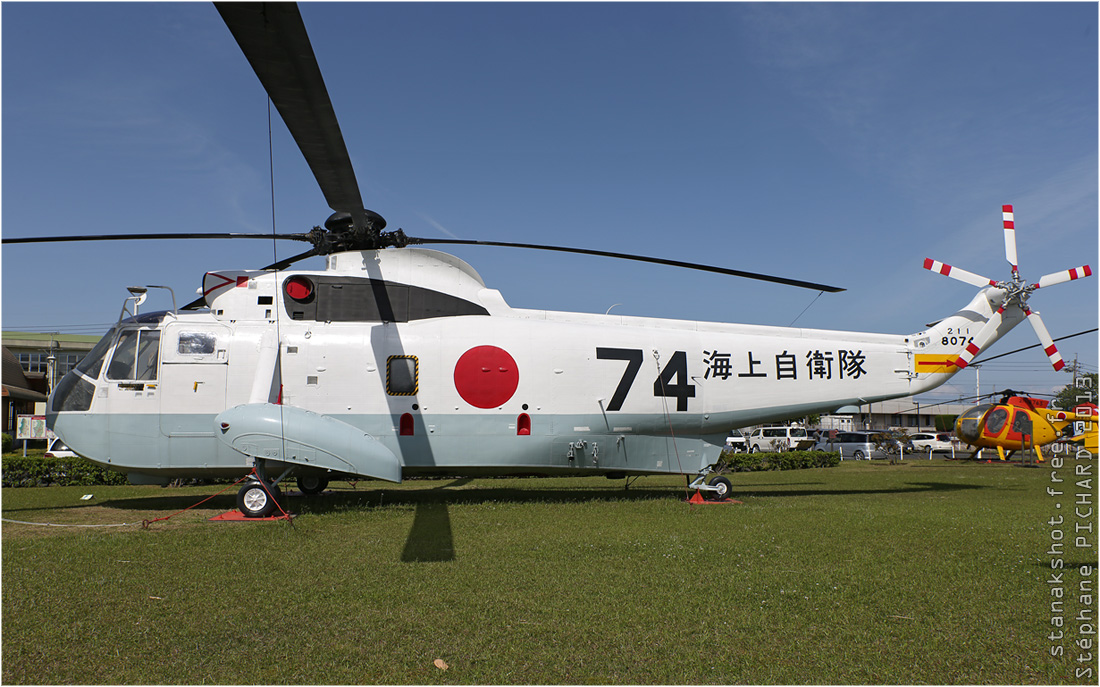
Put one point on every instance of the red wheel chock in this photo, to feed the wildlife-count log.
(698, 500)
(237, 516)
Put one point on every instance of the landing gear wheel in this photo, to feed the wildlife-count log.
(255, 500)
(312, 484)
(724, 488)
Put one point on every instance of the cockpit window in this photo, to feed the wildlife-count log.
(968, 422)
(136, 356)
(93, 362)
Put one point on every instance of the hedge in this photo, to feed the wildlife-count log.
(18, 471)
(787, 460)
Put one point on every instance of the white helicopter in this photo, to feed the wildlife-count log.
(398, 361)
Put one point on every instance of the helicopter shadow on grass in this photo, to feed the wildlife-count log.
(430, 537)
(908, 488)
(456, 491)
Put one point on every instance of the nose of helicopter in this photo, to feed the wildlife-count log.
(969, 425)
(83, 432)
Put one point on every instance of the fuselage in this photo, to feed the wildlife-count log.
(410, 349)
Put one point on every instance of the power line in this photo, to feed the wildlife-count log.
(1063, 338)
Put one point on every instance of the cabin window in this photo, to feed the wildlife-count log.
(996, 421)
(136, 356)
(197, 343)
(1021, 424)
(402, 375)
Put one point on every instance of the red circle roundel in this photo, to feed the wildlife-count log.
(486, 376)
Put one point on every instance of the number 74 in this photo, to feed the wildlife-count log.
(672, 382)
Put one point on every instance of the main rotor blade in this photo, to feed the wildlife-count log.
(143, 237)
(200, 302)
(287, 262)
(639, 258)
(274, 39)
(1010, 236)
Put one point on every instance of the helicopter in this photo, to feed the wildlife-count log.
(1022, 423)
(396, 360)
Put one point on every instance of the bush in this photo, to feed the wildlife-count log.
(787, 460)
(65, 472)
(8, 443)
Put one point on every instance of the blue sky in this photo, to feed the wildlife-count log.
(838, 143)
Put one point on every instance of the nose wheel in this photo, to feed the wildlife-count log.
(717, 488)
(258, 499)
(720, 488)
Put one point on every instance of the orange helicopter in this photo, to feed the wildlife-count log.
(1020, 423)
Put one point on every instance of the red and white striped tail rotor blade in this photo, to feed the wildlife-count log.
(1064, 275)
(1044, 338)
(980, 339)
(956, 273)
(1010, 236)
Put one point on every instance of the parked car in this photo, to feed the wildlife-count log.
(736, 442)
(859, 445)
(930, 443)
(779, 439)
(57, 449)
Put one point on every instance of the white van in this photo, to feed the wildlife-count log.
(779, 439)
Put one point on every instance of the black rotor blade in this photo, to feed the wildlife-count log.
(287, 262)
(143, 237)
(200, 302)
(639, 258)
(274, 39)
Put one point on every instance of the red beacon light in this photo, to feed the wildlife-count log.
(298, 288)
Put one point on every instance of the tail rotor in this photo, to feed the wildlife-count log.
(1016, 291)
(956, 273)
(1044, 338)
(1063, 276)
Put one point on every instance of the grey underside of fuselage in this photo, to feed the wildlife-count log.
(448, 444)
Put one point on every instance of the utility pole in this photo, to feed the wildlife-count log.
(978, 393)
(51, 365)
(1073, 370)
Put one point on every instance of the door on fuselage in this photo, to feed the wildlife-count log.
(193, 373)
(133, 397)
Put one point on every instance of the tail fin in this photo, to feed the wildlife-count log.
(949, 345)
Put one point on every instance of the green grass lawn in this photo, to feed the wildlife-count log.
(924, 572)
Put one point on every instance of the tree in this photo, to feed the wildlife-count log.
(1076, 393)
(945, 423)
